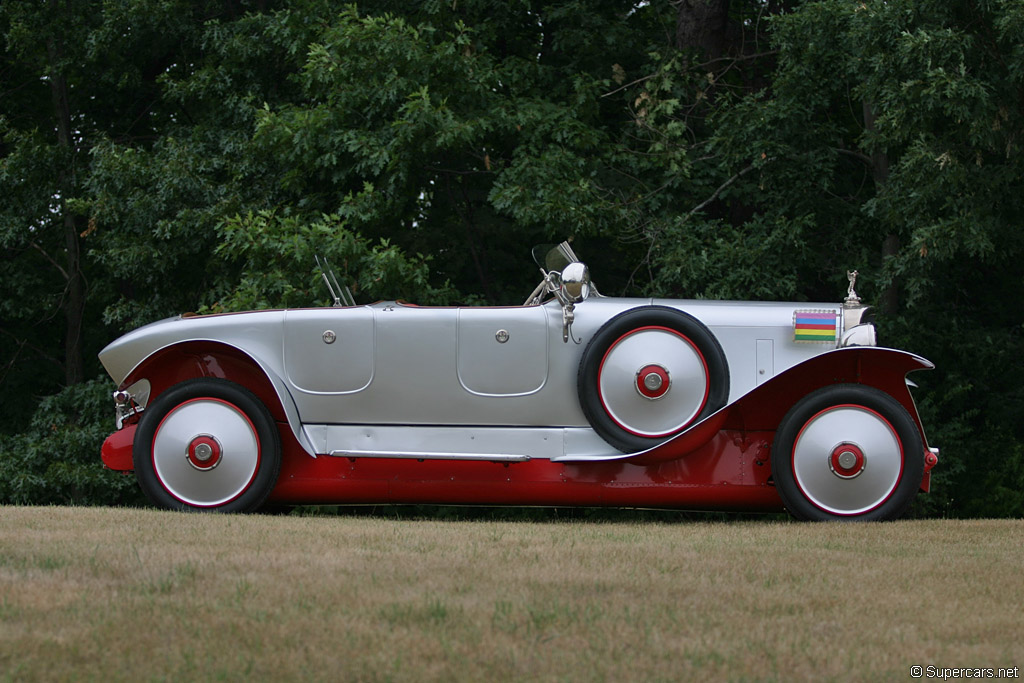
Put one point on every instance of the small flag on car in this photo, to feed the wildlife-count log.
(814, 326)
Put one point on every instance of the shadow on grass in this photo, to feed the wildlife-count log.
(471, 513)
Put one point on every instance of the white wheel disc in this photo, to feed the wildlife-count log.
(206, 452)
(847, 460)
(653, 381)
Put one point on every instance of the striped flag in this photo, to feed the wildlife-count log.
(814, 326)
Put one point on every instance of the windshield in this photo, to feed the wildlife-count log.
(554, 257)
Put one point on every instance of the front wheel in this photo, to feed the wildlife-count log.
(207, 444)
(847, 452)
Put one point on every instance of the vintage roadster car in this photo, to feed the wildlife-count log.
(570, 399)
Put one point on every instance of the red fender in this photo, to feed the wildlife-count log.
(117, 449)
(192, 359)
(762, 409)
(189, 360)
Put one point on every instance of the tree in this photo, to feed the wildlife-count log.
(41, 177)
(76, 76)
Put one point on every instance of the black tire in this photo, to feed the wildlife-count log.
(847, 452)
(675, 346)
(207, 444)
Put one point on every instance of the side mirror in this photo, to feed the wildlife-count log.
(575, 282)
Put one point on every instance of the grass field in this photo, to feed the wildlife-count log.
(107, 594)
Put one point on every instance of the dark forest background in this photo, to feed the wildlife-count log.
(161, 156)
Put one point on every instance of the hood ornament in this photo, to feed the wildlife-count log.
(852, 300)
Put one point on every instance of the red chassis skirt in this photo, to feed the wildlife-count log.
(727, 473)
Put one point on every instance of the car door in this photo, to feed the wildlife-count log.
(393, 363)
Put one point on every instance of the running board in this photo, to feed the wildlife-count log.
(458, 442)
(491, 457)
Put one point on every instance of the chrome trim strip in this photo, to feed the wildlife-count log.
(493, 457)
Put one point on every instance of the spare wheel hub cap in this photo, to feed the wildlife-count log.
(204, 452)
(652, 381)
(847, 461)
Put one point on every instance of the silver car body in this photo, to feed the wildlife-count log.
(391, 379)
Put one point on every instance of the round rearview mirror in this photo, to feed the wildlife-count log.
(576, 282)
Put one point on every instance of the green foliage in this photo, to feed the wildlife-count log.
(279, 254)
(710, 259)
(435, 136)
(56, 460)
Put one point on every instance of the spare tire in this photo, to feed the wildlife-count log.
(650, 373)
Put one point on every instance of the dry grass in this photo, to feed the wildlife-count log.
(101, 594)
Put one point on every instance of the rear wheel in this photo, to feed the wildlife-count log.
(207, 444)
(848, 452)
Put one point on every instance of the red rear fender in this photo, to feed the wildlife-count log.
(189, 360)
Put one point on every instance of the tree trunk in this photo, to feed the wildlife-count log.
(74, 292)
(702, 25)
